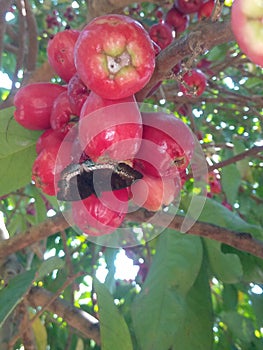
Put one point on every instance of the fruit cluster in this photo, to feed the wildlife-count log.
(172, 24)
(98, 149)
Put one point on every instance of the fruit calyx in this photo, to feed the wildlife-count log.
(115, 64)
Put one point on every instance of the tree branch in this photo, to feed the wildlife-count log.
(206, 35)
(33, 235)
(75, 317)
(239, 240)
(248, 153)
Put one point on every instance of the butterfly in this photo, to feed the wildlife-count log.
(79, 181)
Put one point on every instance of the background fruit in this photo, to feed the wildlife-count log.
(60, 52)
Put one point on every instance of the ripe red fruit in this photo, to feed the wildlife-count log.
(97, 216)
(34, 103)
(167, 145)
(77, 94)
(247, 26)
(195, 81)
(114, 56)
(60, 53)
(161, 34)
(214, 183)
(110, 129)
(46, 167)
(206, 9)
(177, 20)
(49, 137)
(188, 6)
(152, 193)
(62, 118)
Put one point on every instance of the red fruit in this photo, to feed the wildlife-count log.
(177, 20)
(154, 192)
(114, 56)
(49, 137)
(167, 145)
(206, 9)
(227, 205)
(195, 81)
(247, 26)
(34, 103)
(97, 216)
(46, 167)
(188, 6)
(204, 65)
(62, 118)
(77, 94)
(60, 53)
(110, 129)
(214, 183)
(161, 34)
(159, 13)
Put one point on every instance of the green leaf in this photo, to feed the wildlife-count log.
(11, 295)
(195, 330)
(17, 152)
(242, 165)
(227, 267)
(40, 333)
(217, 53)
(231, 180)
(114, 330)
(160, 307)
(49, 265)
(240, 326)
(217, 214)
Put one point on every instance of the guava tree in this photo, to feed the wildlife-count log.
(197, 262)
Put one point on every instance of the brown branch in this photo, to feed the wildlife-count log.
(206, 35)
(4, 6)
(33, 235)
(32, 38)
(242, 241)
(80, 320)
(248, 153)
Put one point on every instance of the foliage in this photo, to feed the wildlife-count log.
(187, 292)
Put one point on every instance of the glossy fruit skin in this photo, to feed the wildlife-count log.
(206, 9)
(34, 103)
(97, 216)
(167, 145)
(114, 56)
(49, 137)
(196, 80)
(48, 165)
(246, 24)
(77, 94)
(62, 118)
(60, 53)
(161, 34)
(177, 20)
(110, 129)
(188, 6)
(152, 193)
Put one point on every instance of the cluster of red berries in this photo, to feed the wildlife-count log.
(172, 24)
(93, 125)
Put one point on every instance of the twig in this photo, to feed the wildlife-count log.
(250, 152)
(80, 320)
(68, 281)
